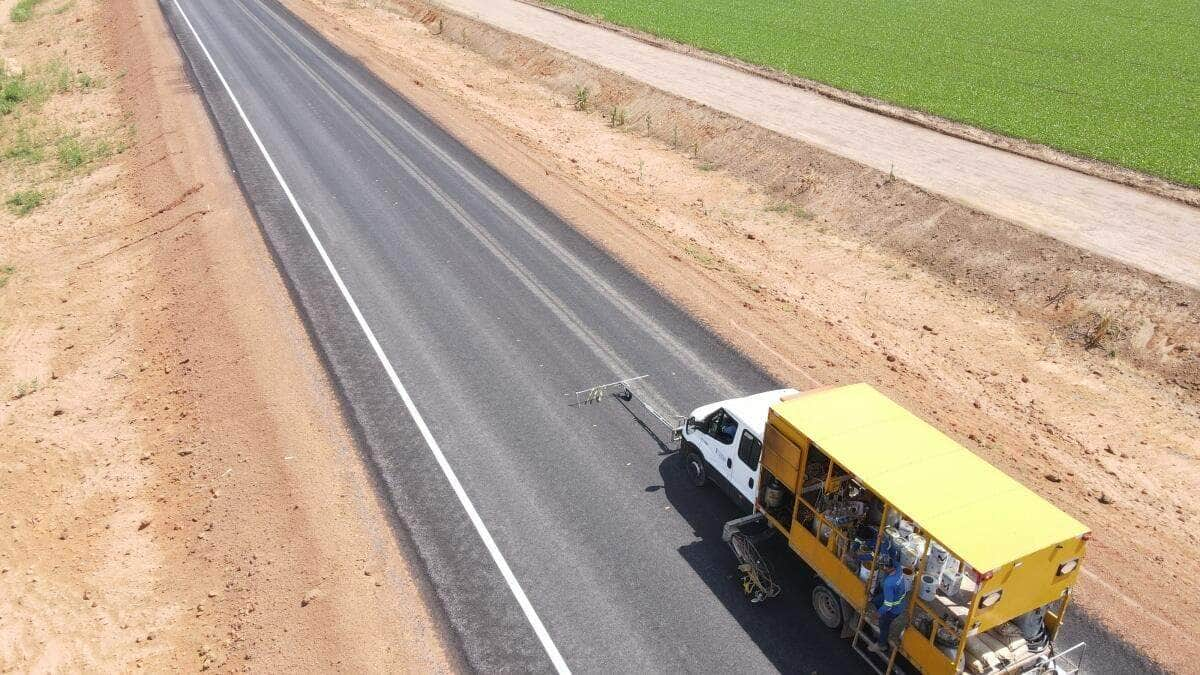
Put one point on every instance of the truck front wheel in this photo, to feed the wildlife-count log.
(828, 606)
(696, 469)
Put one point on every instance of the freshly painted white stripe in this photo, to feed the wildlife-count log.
(530, 614)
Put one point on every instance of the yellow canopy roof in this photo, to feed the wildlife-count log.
(979, 513)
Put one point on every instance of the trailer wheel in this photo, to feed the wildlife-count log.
(696, 469)
(828, 606)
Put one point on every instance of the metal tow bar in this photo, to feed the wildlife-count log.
(621, 389)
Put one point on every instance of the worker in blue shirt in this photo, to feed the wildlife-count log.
(889, 603)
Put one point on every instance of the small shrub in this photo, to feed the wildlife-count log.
(581, 98)
(6, 271)
(74, 153)
(1098, 334)
(21, 203)
(86, 81)
(14, 90)
(26, 388)
(71, 153)
(790, 209)
(617, 117)
(22, 11)
(24, 148)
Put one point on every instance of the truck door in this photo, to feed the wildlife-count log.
(744, 470)
(716, 442)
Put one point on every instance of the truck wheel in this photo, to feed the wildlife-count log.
(696, 469)
(828, 606)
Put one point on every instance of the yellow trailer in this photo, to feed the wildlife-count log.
(849, 476)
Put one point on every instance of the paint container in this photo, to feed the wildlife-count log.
(929, 584)
(911, 549)
(951, 577)
(951, 583)
(936, 560)
(864, 570)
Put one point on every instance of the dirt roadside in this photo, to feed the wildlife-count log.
(824, 271)
(179, 489)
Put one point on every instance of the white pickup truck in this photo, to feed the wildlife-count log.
(722, 443)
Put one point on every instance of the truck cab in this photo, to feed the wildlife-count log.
(722, 443)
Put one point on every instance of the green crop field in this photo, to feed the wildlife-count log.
(1114, 80)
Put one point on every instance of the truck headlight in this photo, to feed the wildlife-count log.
(1068, 567)
(990, 599)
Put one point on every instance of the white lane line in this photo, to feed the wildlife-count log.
(530, 613)
(635, 313)
(600, 348)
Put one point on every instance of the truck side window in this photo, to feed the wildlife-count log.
(721, 426)
(750, 450)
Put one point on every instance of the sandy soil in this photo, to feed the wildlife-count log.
(179, 489)
(825, 271)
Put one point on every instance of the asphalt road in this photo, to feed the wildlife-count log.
(456, 316)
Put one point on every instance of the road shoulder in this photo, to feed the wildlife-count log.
(183, 491)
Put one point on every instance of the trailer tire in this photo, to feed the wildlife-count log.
(827, 606)
(697, 471)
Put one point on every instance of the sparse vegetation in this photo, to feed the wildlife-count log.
(704, 257)
(1098, 334)
(21, 203)
(24, 147)
(707, 166)
(789, 209)
(23, 10)
(35, 84)
(581, 98)
(616, 117)
(6, 272)
(74, 152)
(15, 89)
(26, 388)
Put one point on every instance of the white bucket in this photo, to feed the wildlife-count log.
(951, 577)
(911, 549)
(951, 583)
(936, 560)
(929, 584)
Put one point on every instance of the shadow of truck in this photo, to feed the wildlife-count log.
(784, 628)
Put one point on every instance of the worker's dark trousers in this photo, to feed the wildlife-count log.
(885, 625)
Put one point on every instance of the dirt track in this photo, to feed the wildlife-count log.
(842, 281)
(179, 492)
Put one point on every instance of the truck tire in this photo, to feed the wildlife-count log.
(697, 470)
(828, 606)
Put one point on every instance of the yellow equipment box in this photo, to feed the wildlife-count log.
(850, 476)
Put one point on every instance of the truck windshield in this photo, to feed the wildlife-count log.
(721, 426)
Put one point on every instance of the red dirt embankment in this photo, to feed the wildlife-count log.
(179, 491)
